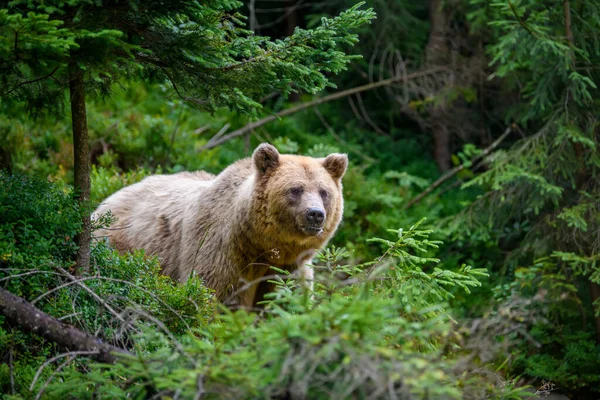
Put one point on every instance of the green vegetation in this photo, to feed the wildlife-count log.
(488, 283)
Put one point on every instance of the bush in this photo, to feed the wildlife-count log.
(38, 223)
(355, 338)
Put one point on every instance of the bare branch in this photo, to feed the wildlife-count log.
(34, 272)
(178, 346)
(106, 278)
(368, 119)
(70, 356)
(91, 292)
(40, 78)
(339, 139)
(219, 134)
(456, 170)
(319, 101)
(10, 364)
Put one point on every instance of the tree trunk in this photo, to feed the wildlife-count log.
(595, 294)
(291, 21)
(81, 151)
(441, 143)
(291, 17)
(437, 54)
(6, 160)
(22, 314)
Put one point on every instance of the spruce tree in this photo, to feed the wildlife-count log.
(543, 193)
(49, 48)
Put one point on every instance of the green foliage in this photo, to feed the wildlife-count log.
(541, 193)
(200, 48)
(533, 41)
(416, 287)
(559, 345)
(343, 340)
(136, 283)
(38, 223)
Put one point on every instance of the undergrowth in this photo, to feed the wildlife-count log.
(378, 329)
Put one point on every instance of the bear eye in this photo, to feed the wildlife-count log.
(323, 193)
(296, 191)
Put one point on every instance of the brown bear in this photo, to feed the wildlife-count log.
(268, 210)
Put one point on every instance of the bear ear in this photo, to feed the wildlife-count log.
(265, 157)
(336, 165)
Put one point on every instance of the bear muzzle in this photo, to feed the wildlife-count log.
(314, 220)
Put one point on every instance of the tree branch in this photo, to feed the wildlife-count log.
(29, 318)
(319, 101)
(521, 22)
(91, 292)
(40, 78)
(456, 170)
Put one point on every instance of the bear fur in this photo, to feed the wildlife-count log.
(268, 210)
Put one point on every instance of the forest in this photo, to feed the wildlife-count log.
(467, 261)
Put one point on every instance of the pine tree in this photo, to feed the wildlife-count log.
(82, 47)
(545, 188)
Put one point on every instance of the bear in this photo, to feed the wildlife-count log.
(268, 210)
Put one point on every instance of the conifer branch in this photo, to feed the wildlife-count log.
(521, 22)
(40, 78)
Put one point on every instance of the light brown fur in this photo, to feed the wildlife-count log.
(230, 228)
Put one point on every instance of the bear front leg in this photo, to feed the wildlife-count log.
(306, 274)
(305, 271)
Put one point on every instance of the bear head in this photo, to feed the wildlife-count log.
(300, 197)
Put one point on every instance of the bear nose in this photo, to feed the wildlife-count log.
(315, 216)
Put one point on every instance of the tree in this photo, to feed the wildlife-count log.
(437, 53)
(199, 48)
(449, 106)
(542, 194)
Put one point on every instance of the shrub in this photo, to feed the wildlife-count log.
(360, 337)
(39, 221)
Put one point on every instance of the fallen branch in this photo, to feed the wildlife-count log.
(29, 318)
(456, 170)
(316, 102)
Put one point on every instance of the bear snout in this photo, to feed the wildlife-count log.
(315, 216)
(313, 221)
